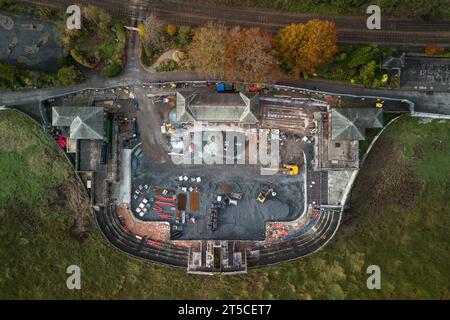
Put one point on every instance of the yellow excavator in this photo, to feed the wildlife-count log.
(290, 169)
(262, 196)
(379, 103)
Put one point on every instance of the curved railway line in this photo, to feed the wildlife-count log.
(352, 29)
(112, 228)
(310, 241)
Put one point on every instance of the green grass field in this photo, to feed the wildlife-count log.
(402, 225)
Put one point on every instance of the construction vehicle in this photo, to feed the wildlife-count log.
(379, 103)
(290, 169)
(222, 87)
(167, 128)
(263, 194)
(62, 141)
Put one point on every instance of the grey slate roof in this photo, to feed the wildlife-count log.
(217, 107)
(351, 123)
(83, 122)
(393, 62)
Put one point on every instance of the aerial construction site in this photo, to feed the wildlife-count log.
(213, 176)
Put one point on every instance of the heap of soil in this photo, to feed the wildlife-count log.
(194, 201)
(182, 199)
(73, 198)
(383, 181)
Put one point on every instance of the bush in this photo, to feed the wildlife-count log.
(184, 36)
(120, 32)
(68, 76)
(149, 54)
(111, 70)
(12, 77)
(81, 60)
(368, 74)
(167, 66)
(171, 29)
(44, 12)
(433, 50)
(363, 55)
(178, 56)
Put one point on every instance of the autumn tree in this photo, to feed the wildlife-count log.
(141, 30)
(249, 56)
(304, 47)
(433, 50)
(207, 49)
(171, 29)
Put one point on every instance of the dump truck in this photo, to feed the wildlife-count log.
(290, 169)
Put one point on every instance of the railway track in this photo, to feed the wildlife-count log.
(277, 116)
(311, 240)
(351, 29)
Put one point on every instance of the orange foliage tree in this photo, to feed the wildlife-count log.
(249, 56)
(304, 47)
(206, 51)
(433, 50)
(171, 29)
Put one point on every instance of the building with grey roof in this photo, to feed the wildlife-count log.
(351, 123)
(241, 108)
(393, 63)
(83, 122)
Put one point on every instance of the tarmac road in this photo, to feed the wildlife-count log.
(435, 103)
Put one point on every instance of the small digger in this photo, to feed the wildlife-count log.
(290, 169)
(265, 193)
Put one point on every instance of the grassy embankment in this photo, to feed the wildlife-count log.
(399, 220)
